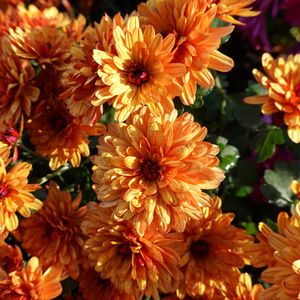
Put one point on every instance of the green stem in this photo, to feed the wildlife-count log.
(32, 153)
(86, 161)
(54, 174)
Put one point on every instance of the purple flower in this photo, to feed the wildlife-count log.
(255, 30)
(292, 12)
(294, 49)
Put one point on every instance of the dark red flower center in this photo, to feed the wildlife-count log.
(3, 191)
(297, 90)
(150, 169)
(124, 250)
(199, 249)
(137, 74)
(59, 122)
(277, 119)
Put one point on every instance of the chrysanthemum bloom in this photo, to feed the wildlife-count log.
(81, 80)
(47, 46)
(196, 41)
(213, 252)
(295, 187)
(6, 4)
(31, 283)
(154, 168)
(17, 92)
(139, 266)
(8, 19)
(75, 29)
(285, 275)
(15, 194)
(227, 10)
(3, 236)
(11, 259)
(33, 17)
(10, 137)
(261, 253)
(282, 83)
(47, 3)
(242, 289)
(93, 287)
(141, 73)
(59, 136)
(53, 234)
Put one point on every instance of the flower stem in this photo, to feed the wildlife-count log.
(54, 174)
(32, 153)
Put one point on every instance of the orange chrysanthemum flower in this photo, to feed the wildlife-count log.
(31, 283)
(9, 4)
(17, 92)
(261, 253)
(33, 17)
(241, 288)
(53, 234)
(8, 19)
(81, 81)
(58, 135)
(47, 3)
(139, 266)
(141, 73)
(213, 252)
(47, 45)
(284, 274)
(93, 287)
(10, 137)
(3, 236)
(282, 83)
(154, 168)
(11, 259)
(196, 41)
(15, 194)
(227, 10)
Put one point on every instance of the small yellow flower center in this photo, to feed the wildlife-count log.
(150, 169)
(137, 74)
(3, 191)
(199, 249)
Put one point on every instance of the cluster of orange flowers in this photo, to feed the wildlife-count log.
(282, 85)
(155, 230)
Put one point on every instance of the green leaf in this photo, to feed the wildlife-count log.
(221, 141)
(248, 116)
(108, 116)
(264, 143)
(250, 227)
(278, 181)
(271, 224)
(243, 191)
(256, 89)
(228, 157)
(200, 94)
(274, 195)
